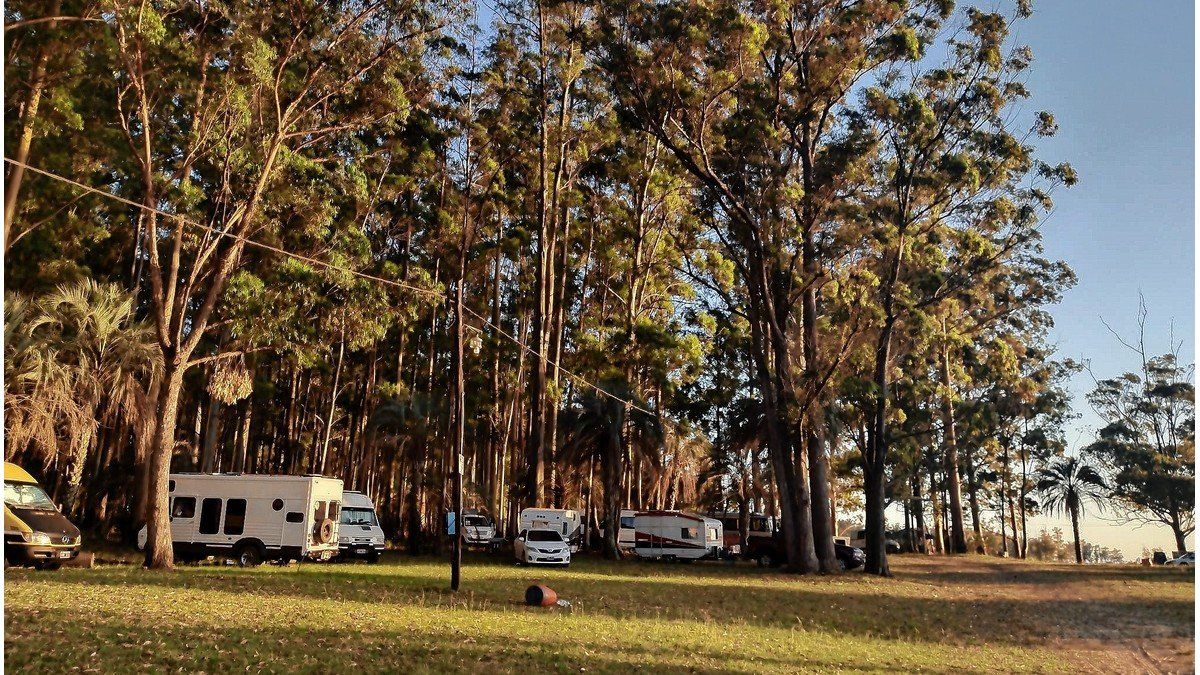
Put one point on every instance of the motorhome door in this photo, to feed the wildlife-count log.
(183, 518)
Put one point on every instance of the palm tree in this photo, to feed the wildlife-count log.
(103, 362)
(37, 386)
(1066, 485)
(597, 428)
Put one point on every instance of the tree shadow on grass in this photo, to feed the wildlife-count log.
(990, 572)
(866, 608)
(112, 642)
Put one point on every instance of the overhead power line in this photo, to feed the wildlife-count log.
(578, 379)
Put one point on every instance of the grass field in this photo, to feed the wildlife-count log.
(936, 615)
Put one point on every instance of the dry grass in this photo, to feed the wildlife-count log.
(937, 615)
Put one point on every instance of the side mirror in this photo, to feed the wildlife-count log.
(58, 507)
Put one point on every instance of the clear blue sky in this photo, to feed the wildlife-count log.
(1119, 76)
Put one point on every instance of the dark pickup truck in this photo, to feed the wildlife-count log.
(768, 552)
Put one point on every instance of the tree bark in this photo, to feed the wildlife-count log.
(1075, 529)
(159, 553)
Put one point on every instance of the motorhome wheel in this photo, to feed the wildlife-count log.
(765, 560)
(249, 555)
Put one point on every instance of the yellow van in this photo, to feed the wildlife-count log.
(35, 533)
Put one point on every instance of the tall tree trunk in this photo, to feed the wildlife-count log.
(958, 535)
(327, 432)
(610, 475)
(159, 553)
(29, 118)
(208, 454)
(973, 499)
(1075, 530)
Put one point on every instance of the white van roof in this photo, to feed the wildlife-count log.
(356, 500)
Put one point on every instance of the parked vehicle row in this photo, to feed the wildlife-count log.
(251, 519)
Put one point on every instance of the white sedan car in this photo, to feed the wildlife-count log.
(541, 547)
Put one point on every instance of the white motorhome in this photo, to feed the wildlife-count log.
(675, 535)
(625, 539)
(566, 522)
(252, 518)
(359, 533)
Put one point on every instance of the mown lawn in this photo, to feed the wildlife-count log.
(936, 615)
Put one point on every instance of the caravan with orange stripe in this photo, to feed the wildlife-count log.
(676, 535)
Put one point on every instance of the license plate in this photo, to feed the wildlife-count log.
(360, 550)
(64, 554)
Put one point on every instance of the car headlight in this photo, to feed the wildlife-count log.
(39, 539)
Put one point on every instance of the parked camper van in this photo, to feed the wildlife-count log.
(625, 539)
(35, 532)
(675, 535)
(252, 518)
(566, 522)
(359, 534)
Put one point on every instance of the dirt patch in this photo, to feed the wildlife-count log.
(1116, 618)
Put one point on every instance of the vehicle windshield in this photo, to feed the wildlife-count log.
(475, 521)
(544, 535)
(353, 516)
(26, 495)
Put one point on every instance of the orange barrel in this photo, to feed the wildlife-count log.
(538, 595)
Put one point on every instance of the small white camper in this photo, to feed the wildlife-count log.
(675, 535)
(566, 522)
(252, 518)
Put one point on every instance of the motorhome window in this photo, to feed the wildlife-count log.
(277, 505)
(689, 532)
(544, 535)
(333, 510)
(627, 522)
(759, 525)
(210, 515)
(183, 507)
(353, 516)
(235, 516)
(26, 495)
(294, 517)
(712, 533)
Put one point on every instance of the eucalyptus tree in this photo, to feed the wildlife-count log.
(1147, 447)
(957, 194)
(216, 119)
(747, 98)
(47, 92)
